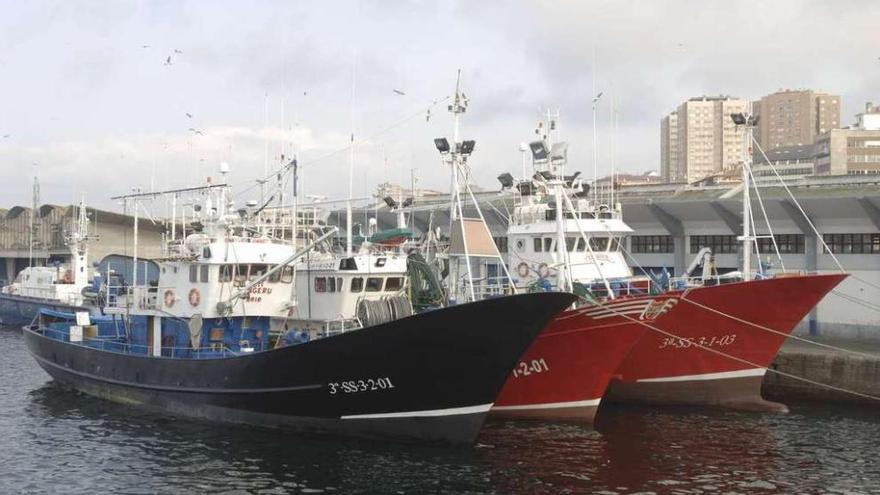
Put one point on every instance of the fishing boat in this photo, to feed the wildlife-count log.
(565, 372)
(228, 332)
(61, 287)
(702, 338)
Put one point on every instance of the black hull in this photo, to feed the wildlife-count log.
(429, 377)
(16, 311)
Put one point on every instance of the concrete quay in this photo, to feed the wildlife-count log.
(855, 372)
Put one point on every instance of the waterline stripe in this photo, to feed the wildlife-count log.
(550, 405)
(453, 411)
(708, 376)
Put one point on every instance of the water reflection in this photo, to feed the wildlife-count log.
(54, 439)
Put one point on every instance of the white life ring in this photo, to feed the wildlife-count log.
(169, 298)
(195, 297)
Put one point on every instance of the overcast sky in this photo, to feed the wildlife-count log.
(87, 96)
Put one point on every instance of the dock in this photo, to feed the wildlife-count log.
(845, 370)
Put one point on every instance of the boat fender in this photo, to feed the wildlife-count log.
(169, 298)
(195, 297)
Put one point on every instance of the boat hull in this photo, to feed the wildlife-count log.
(565, 373)
(668, 364)
(429, 377)
(16, 311)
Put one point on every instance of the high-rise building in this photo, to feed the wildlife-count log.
(669, 171)
(795, 117)
(705, 141)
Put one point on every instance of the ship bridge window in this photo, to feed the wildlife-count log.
(320, 284)
(357, 284)
(393, 284)
(599, 243)
(225, 273)
(570, 243)
(193, 273)
(548, 244)
(287, 275)
(239, 273)
(275, 276)
(538, 244)
(374, 284)
(257, 271)
(203, 273)
(334, 284)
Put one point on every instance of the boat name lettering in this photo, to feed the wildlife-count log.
(357, 386)
(260, 289)
(686, 342)
(526, 368)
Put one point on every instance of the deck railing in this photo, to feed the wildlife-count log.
(114, 343)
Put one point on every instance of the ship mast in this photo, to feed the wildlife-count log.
(459, 106)
(747, 123)
(35, 199)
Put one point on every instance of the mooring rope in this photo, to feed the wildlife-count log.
(742, 360)
(778, 332)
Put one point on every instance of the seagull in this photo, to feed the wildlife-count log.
(596, 98)
(178, 51)
(145, 46)
(6, 136)
(195, 131)
(189, 115)
(168, 60)
(401, 93)
(428, 116)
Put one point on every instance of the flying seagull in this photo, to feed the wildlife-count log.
(195, 131)
(428, 116)
(189, 115)
(6, 136)
(168, 60)
(596, 98)
(145, 46)
(401, 93)
(178, 51)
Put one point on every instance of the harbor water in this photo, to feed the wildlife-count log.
(53, 440)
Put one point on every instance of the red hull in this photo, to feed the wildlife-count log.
(566, 371)
(664, 369)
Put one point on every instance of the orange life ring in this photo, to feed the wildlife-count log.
(195, 297)
(169, 298)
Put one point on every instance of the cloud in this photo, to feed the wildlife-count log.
(100, 114)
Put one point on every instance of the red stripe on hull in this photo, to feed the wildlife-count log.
(778, 304)
(569, 365)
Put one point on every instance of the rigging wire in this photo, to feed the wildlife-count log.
(355, 142)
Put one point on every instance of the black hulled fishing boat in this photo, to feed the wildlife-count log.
(222, 335)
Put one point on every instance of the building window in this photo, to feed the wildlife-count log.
(719, 244)
(787, 243)
(652, 244)
(852, 243)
